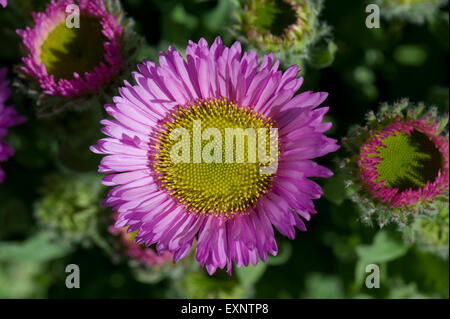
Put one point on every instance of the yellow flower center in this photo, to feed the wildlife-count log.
(215, 157)
(69, 50)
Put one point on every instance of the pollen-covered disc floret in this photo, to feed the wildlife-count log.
(221, 188)
(75, 49)
(181, 109)
(402, 165)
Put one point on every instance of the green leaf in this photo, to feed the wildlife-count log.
(335, 190)
(385, 248)
(250, 275)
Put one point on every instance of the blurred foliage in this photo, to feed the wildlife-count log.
(48, 208)
(70, 206)
(201, 285)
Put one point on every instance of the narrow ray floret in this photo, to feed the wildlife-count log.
(8, 117)
(3, 3)
(214, 148)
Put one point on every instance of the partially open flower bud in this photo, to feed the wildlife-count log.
(289, 27)
(399, 166)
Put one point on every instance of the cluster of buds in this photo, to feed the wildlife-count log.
(76, 54)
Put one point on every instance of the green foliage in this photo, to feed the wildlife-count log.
(322, 56)
(321, 286)
(411, 55)
(432, 232)
(292, 31)
(385, 248)
(24, 266)
(415, 11)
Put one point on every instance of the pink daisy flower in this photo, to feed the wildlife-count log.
(231, 207)
(4, 3)
(398, 183)
(8, 117)
(145, 255)
(68, 61)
